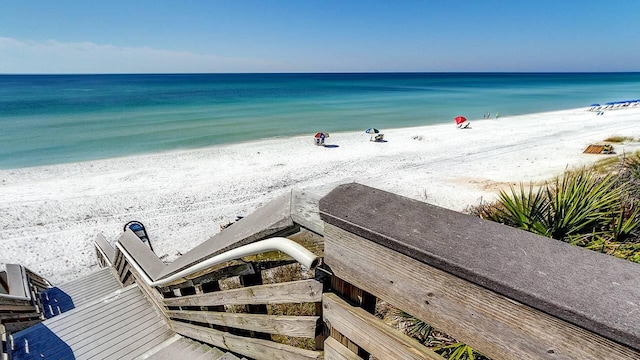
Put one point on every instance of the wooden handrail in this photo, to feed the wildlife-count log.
(489, 285)
(291, 248)
(505, 292)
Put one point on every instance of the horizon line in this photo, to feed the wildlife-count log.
(325, 72)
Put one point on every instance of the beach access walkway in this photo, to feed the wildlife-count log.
(302, 278)
(95, 317)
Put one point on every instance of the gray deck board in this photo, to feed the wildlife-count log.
(174, 351)
(214, 353)
(141, 345)
(228, 356)
(87, 289)
(126, 334)
(89, 314)
(121, 325)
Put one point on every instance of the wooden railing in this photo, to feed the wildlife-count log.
(262, 306)
(20, 307)
(507, 293)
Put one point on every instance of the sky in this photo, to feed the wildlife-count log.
(220, 36)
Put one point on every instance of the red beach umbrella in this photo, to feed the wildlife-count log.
(460, 119)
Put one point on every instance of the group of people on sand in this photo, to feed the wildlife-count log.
(488, 115)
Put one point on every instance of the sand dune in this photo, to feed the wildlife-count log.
(50, 215)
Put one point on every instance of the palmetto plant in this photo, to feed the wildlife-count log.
(458, 351)
(581, 202)
(424, 333)
(525, 209)
(413, 326)
(584, 208)
(632, 164)
(578, 203)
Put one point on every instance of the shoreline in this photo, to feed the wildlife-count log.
(51, 214)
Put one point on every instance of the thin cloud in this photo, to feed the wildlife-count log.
(27, 57)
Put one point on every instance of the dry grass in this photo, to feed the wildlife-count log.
(289, 273)
(619, 139)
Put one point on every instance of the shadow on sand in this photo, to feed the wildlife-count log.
(332, 146)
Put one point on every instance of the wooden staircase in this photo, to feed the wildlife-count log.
(179, 347)
(94, 317)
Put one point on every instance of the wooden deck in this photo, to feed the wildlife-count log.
(507, 293)
(122, 325)
(79, 292)
(179, 347)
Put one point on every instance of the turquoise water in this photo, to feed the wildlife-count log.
(50, 119)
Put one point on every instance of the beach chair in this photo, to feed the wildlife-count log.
(599, 149)
(378, 138)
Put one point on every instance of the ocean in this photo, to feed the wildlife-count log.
(52, 119)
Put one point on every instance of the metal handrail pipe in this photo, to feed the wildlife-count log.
(305, 257)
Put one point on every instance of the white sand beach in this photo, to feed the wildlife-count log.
(50, 215)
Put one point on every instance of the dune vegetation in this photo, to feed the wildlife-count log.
(597, 208)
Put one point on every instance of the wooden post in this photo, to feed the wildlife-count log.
(357, 297)
(250, 280)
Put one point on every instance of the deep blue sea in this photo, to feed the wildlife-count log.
(51, 119)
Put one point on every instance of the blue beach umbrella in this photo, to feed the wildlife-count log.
(594, 105)
(372, 131)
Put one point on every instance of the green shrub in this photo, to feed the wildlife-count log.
(584, 208)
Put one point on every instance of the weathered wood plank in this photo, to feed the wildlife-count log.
(334, 350)
(495, 325)
(370, 333)
(304, 210)
(253, 348)
(7, 301)
(281, 293)
(19, 316)
(37, 281)
(151, 293)
(14, 327)
(104, 250)
(142, 254)
(540, 272)
(22, 308)
(252, 281)
(120, 262)
(299, 326)
(272, 219)
(125, 272)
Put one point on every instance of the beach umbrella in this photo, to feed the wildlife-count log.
(460, 119)
(321, 135)
(594, 105)
(372, 131)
